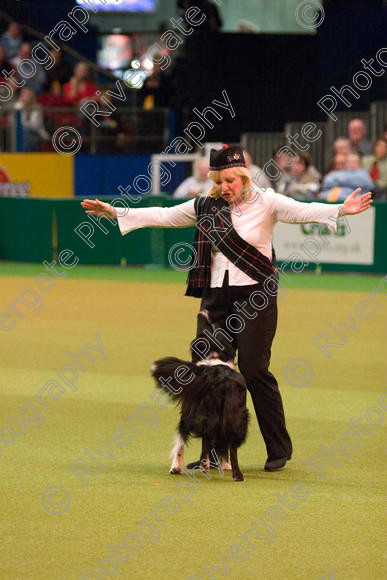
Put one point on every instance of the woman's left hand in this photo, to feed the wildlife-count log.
(356, 203)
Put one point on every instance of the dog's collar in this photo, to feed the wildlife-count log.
(216, 361)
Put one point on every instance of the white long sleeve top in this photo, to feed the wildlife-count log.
(255, 225)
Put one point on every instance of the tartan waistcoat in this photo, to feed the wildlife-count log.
(214, 227)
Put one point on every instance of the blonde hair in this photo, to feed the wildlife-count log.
(242, 172)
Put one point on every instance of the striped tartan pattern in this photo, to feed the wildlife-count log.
(214, 226)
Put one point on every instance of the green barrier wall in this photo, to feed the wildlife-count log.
(34, 230)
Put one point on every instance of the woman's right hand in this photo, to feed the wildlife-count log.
(98, 208)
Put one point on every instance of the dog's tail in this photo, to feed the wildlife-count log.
(172, 375)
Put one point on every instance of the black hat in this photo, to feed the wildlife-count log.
(226, 157)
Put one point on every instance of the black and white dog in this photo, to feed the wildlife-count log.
(212, 395)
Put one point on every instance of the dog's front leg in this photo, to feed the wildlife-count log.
(177, 454)
(205, 456)
(237, 475)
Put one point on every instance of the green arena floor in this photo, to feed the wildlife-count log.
(318, 518)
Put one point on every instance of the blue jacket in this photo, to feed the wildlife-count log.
(348, 180)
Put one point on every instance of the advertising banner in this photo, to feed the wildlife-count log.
(36, 175)
(353, 242)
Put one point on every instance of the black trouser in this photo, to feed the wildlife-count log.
(253, 343)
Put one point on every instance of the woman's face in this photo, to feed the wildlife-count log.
(298, 167)
(339, 161)
(81, 71)
(230, 185)
(380, 149)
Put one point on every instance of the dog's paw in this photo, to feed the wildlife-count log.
(226, 466)
(175, 470)
(239, 478)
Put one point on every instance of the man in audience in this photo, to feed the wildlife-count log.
(58, 75)
(337, 185)
(195, 185)
(12, 40)
(37, 80)
(357, 132)
(376, 165)
(213, 20)
(283, 159)
(261, 179)
(5, 64)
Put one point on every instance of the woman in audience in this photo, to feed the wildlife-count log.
(32, 120)
(338, 162)
(342, 145)
(303, 180)
(376, 165)
(79, 88)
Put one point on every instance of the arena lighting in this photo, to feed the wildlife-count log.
(118, 5)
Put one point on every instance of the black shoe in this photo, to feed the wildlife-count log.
(275, 464)
(198, 464)
(193, 464)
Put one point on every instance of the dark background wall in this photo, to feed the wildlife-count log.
(270, 78)
(352, 30)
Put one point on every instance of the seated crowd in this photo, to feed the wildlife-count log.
(51, 98)
(299, 179)
(47, 94)
(356, 162)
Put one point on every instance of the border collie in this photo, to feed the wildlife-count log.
(212, 396)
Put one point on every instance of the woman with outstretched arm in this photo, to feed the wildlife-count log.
(234, 270)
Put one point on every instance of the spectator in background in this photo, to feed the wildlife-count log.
(37, 80)
(337, 184)
(213, 21)
(156, 90)
(12, 40)
(247, 27)
(5, 64)
(58, 75)
(342, 146)
(339, 162)
(302, 180)
(79, 88)
(110, 130)
(31, 119)
(357, 132)
(262, 180)
(376, 165)
(197, 184)
(283, 161)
